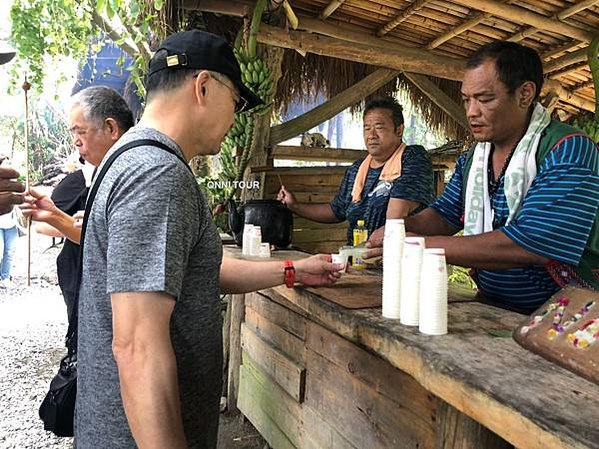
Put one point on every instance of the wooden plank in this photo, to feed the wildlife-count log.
(383, 54)
(385, 379)
(288, 374)
(304, 223)
(322, 247)
(457, 431)
(300, 153)
(355, 410)
(332, 107)
(277, 314)
(440, 98)
(237, 313)
(261, 398)
(476, 19)
(318, 235)
(271, 411)
(275, 335)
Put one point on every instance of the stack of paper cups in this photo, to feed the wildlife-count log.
(255, 241)
(247, 235)
(395, 234)
(433, 293)
(411, 265)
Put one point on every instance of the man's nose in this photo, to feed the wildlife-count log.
(472, 109)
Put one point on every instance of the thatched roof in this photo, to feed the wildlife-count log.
(448, 30)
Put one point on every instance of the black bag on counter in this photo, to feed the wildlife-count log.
(57, 410)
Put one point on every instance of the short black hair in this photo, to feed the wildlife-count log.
(388, 103)
(167, 79)
(515, 64)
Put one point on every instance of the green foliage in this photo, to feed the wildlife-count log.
(49, 138)
(42, 28)
(588, 124)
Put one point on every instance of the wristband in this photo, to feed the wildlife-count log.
(289, 273)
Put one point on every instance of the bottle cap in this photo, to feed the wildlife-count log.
(361, 222)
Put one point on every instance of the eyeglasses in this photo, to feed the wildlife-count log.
(240, 102)
(78, 133)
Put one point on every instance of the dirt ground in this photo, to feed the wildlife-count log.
(32, 326)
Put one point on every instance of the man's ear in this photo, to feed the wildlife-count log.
(201, 87)
(113, 128)
(527, 93)
(399, 130)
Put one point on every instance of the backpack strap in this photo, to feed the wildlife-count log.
(71, 337)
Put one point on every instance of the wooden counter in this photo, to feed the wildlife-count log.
(317, 375)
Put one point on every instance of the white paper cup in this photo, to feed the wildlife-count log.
(392, 255)
(433, 293)
(340, 258)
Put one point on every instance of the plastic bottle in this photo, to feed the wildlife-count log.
(360, 234)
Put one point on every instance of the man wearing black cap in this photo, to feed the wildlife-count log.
(149, 348)
(10, 189)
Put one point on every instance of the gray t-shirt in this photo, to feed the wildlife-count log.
(150, 229)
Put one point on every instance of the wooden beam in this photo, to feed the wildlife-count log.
(564, 14)
(413, 8)
(440, 98)
(329, 109)
(299, 153)
(567, 96)
(522, 15)
(571, 45)
(475, 20)
(385, 55)
(567, 60)
(234, 8)
(330, 9)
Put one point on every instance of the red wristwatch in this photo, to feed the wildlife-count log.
(289, 273)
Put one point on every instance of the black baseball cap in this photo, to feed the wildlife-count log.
(197, 49)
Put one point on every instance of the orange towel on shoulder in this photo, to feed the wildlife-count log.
(391, 171)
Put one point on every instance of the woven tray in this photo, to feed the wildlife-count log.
(565, 330)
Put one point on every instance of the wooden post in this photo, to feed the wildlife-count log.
(457, 431)
(260, 149)
(329, 109)
(237, 317)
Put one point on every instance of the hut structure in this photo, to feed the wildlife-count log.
(351, 50)
(309, 373)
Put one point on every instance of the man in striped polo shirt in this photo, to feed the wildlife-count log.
(526, 195)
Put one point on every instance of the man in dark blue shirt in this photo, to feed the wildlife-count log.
(393, 181)
(526, 195)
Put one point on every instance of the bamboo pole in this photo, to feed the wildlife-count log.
(413, 8)
(522, 15)
(330, 9)
(26, 87)
(567, 60)
(477, 19)
(329, 109)
(564, 14)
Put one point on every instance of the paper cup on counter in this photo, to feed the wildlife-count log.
(411, 267)
(264, 250)
(433, 293)
(340, 258)
(392, 254)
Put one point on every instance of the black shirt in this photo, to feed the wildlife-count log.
(69, 196)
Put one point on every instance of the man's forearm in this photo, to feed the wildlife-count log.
(428, 222)
(243, 276)
(321, 213)
(491, 250)
(64, 223)
(150, 392)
